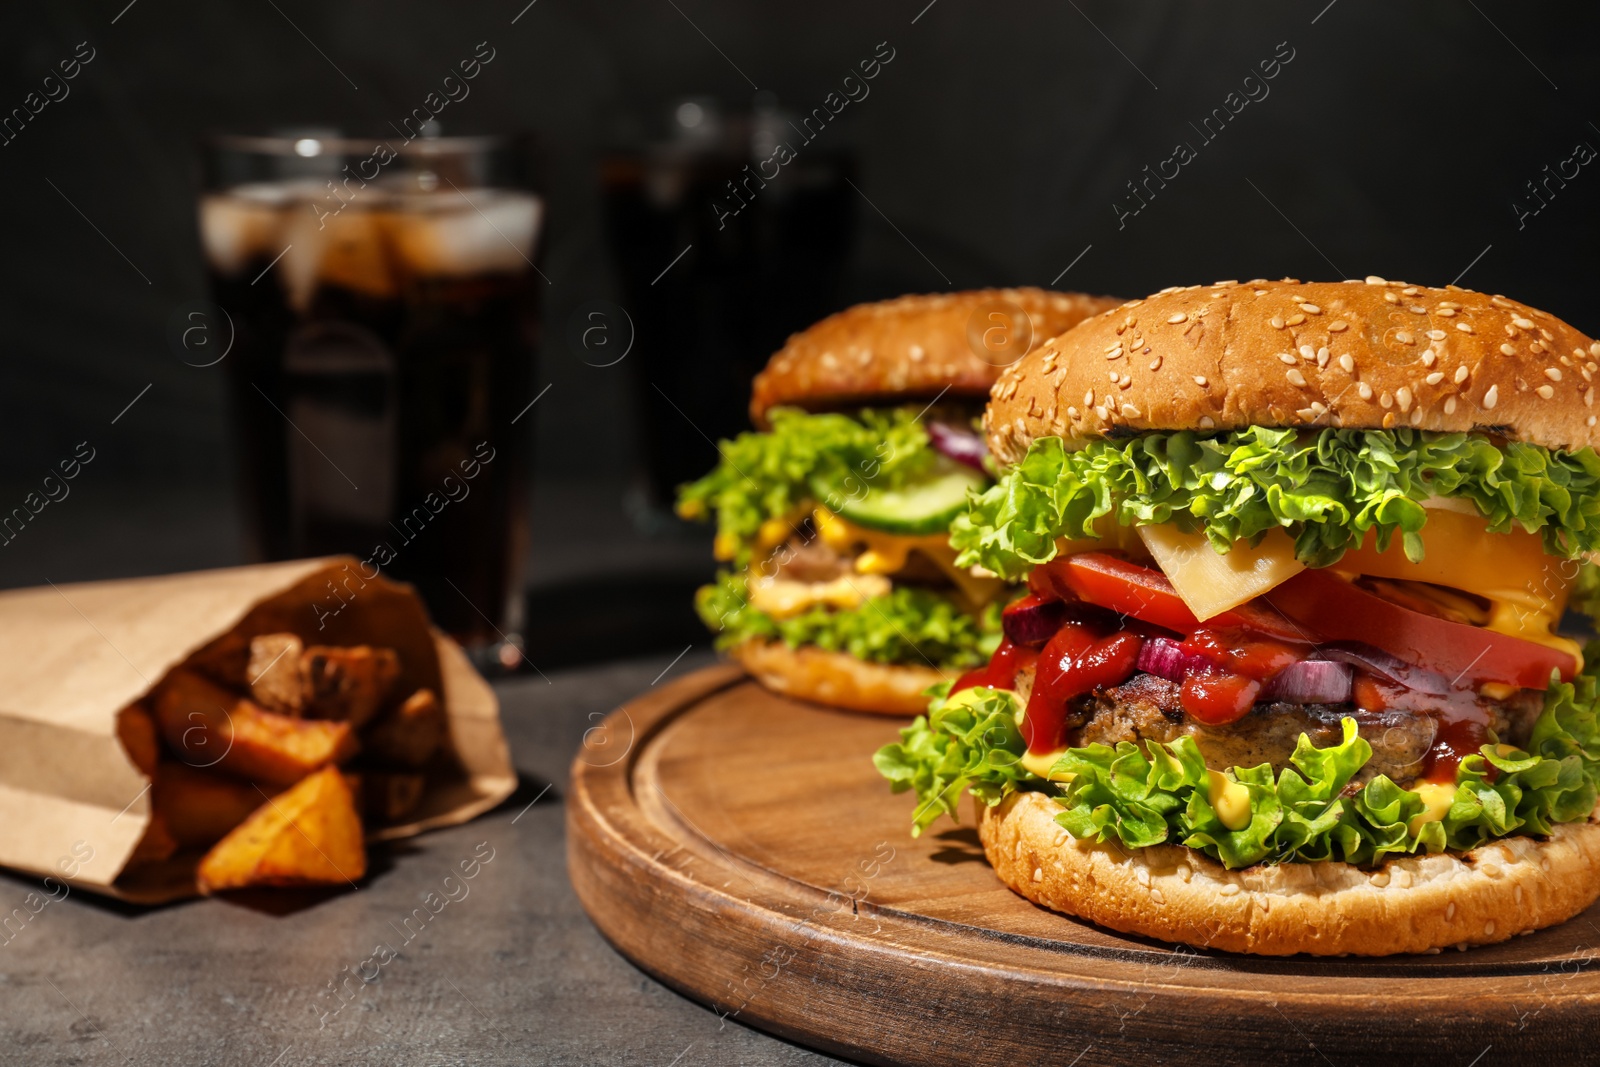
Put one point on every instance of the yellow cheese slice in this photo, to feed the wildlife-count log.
(889, 553)
(1211, 582)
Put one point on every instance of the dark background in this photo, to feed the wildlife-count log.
(992, 149)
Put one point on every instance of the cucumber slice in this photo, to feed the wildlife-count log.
(925, 506)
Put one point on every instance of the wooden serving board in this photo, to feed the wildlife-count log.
(740, 847)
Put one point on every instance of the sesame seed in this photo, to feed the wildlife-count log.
(1388, 420)
(1338, 326)
(1588, 397)
(1391, 298)
(1305, 414)
(1200, 380)
(1546, 391)
(1322, 356)
(1521, 323)
(1294, 320)
(1535, 346)
(1179, 317)
(1100, 412)
(1451, 304)
(1594, 348)
(1417, 309)
(1435, 378)
(1311, 309)
(1385, 400)
(1307, 352)
(1402, 397)
(1207, 422)
(1319, 407)
(1447, 312)
(1491, 398)
(1277, 322)
(1347, 363)
(1500, 302)
(1072, 413)
(1403, 336)
(1449, 405)
(1373, 279)
(1464, 327)
(1450, 911)
(1113, 376)
(1553, 373)
(1590, 421)
(1436, 335)
(1409, 290)
(1284, 357)
(1088, 399)
(1114, 354)
(1129, 411)
(1155, 364)
(1488, 928)
(1295, 377)
(1507, 350)
(1461, 374)
(1364, 390)
(1429, 357)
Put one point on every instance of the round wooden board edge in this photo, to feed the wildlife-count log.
(640, 883)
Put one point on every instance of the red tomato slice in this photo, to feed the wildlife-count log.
(1144, 593)
(1341, 611)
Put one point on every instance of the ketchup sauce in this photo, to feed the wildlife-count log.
(1246, 661)
(1076, 661)
(1461, 721)
(1001, 670)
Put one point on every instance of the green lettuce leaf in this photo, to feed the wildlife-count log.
(803, 458)
(966, 744)
(910, 625)
(1141, 795)
(1326, 488)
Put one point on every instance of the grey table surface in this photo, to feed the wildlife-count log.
(509, 972)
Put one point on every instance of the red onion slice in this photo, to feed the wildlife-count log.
(1166, 658)
(961, 445)
(1310, 681)
(1031, 622)
(1386, 666)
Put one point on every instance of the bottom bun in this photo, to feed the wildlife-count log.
(837, 678)
(1410, 904)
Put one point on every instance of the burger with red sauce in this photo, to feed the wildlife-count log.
(1288, 677)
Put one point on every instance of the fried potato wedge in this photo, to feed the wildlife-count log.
(308, 835)
(274, 672)
(348, 684)
(199, 806)
(137, 732)
(409, 735)
(207, 726)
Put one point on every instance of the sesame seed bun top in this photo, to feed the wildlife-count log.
(915, 347)
(1360, 354)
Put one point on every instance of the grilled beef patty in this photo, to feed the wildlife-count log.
(1146, 707)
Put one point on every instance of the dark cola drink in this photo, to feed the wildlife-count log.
(383, 338)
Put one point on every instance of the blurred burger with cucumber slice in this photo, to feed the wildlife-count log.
(840, 585)
(1288, 675)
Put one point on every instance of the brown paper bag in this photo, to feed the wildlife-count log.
(72, 804)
